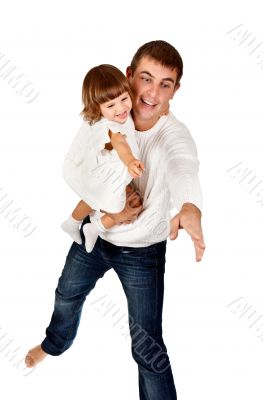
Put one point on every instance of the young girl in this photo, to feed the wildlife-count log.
(104, 155)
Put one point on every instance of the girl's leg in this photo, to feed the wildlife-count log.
(92, 231)
(107, 221)
(81, 211)
(71, 225)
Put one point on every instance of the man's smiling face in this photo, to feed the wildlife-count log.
(153, 86)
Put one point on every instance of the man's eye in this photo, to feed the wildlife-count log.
(164, 85)
(146, 79)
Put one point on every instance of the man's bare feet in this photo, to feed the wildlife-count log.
(34, 356)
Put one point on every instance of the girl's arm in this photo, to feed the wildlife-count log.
(120, 144)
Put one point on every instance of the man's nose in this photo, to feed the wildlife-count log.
(153, 91)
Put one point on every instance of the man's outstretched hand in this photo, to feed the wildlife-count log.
(189, 218)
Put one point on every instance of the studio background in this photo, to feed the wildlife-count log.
(209, 306)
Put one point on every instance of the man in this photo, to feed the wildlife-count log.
(136, 251)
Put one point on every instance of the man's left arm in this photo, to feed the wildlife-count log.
(182, 176)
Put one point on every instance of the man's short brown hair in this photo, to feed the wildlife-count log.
(160, 51)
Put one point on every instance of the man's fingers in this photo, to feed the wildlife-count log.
(133, 200)
(173, 235)
(199, 251)
(133, 195)
(195, 232)
(133, 204)
(174, 227)
(129, 191)
(199, 245)
(137, 210)
(194, 229)
(198, 239)
(134, 211)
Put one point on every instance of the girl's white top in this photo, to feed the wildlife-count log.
(169, 154)
(96, 174)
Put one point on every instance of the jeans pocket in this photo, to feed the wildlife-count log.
(142, 257)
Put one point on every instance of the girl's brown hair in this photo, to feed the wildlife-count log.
(101, 84)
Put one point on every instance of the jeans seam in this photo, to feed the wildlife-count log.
(156, 290)
(70, 329)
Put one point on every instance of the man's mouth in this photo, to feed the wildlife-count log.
(148, 102)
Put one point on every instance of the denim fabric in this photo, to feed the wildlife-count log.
(141, 273)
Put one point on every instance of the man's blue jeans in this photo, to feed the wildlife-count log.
(141, 272)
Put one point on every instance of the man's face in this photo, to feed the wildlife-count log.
(153, 86)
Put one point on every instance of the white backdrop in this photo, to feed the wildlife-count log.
(212, 311)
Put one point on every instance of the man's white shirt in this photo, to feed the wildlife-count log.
(170, 179)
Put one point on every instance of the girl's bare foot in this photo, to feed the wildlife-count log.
(34, 356)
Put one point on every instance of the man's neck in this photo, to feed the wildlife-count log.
(142, 125)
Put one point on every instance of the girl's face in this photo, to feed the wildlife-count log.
(117, 109)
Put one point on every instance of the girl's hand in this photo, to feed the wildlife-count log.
(135, 168)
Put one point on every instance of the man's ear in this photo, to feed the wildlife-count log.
(177, 86)
(128, 72)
